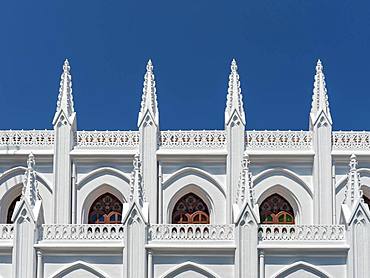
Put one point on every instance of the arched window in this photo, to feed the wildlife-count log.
(107, 209)
(11, 210)
(190, 209)
(276, 210)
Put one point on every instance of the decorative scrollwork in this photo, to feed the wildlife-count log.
(190, 139)
(26, 137)
(351, 140)
(279, 140)
(127, 139)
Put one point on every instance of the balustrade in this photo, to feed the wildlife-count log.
(191, 232)
(301, 232)
(83, 232)
(6, 231)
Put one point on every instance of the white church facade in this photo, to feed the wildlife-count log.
(229, 203)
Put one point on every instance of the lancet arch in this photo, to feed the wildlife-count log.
(300, 268)
(79, 266)
(193, 268)
(105, 173)
(11, 183)
(289, 186)
(199, 195)
(198, 182)
(100, 192)
(285, 194)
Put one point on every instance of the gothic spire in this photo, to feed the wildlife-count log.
(136, 183)
(30, 190)
(245, 187)
(234, 96)
(320, 101)
(149, 97)
(353, 189)
(65, 98)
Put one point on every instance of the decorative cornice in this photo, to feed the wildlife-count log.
(149, 97)
(234, 97)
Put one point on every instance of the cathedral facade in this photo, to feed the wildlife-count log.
(229, 203)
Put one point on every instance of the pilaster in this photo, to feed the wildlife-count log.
(235, 137)
(65, 128)
(321, 127)
(246, 254)
(27, 218)
(148, 124)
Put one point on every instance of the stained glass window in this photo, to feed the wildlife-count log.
(276, 210)
(190, 209)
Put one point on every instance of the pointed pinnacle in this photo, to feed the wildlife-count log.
(234, 66)
(66, 67)
(353, 162)
(30, 161)
(319, 66)
(149, 66)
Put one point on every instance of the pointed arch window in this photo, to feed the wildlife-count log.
(106, 209)
(11, 210)
(190, 209)
(276, 210)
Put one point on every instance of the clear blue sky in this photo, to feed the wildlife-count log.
(191, 43)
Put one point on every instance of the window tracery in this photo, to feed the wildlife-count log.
(276, 210)
(106, 209)
(190, 209)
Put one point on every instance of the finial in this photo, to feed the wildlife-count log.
(30, 161)
(66, 67)
(353, 163)
(149, 65)
(136, 187)
(353, 191)
(234, 66)
(30, 190)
